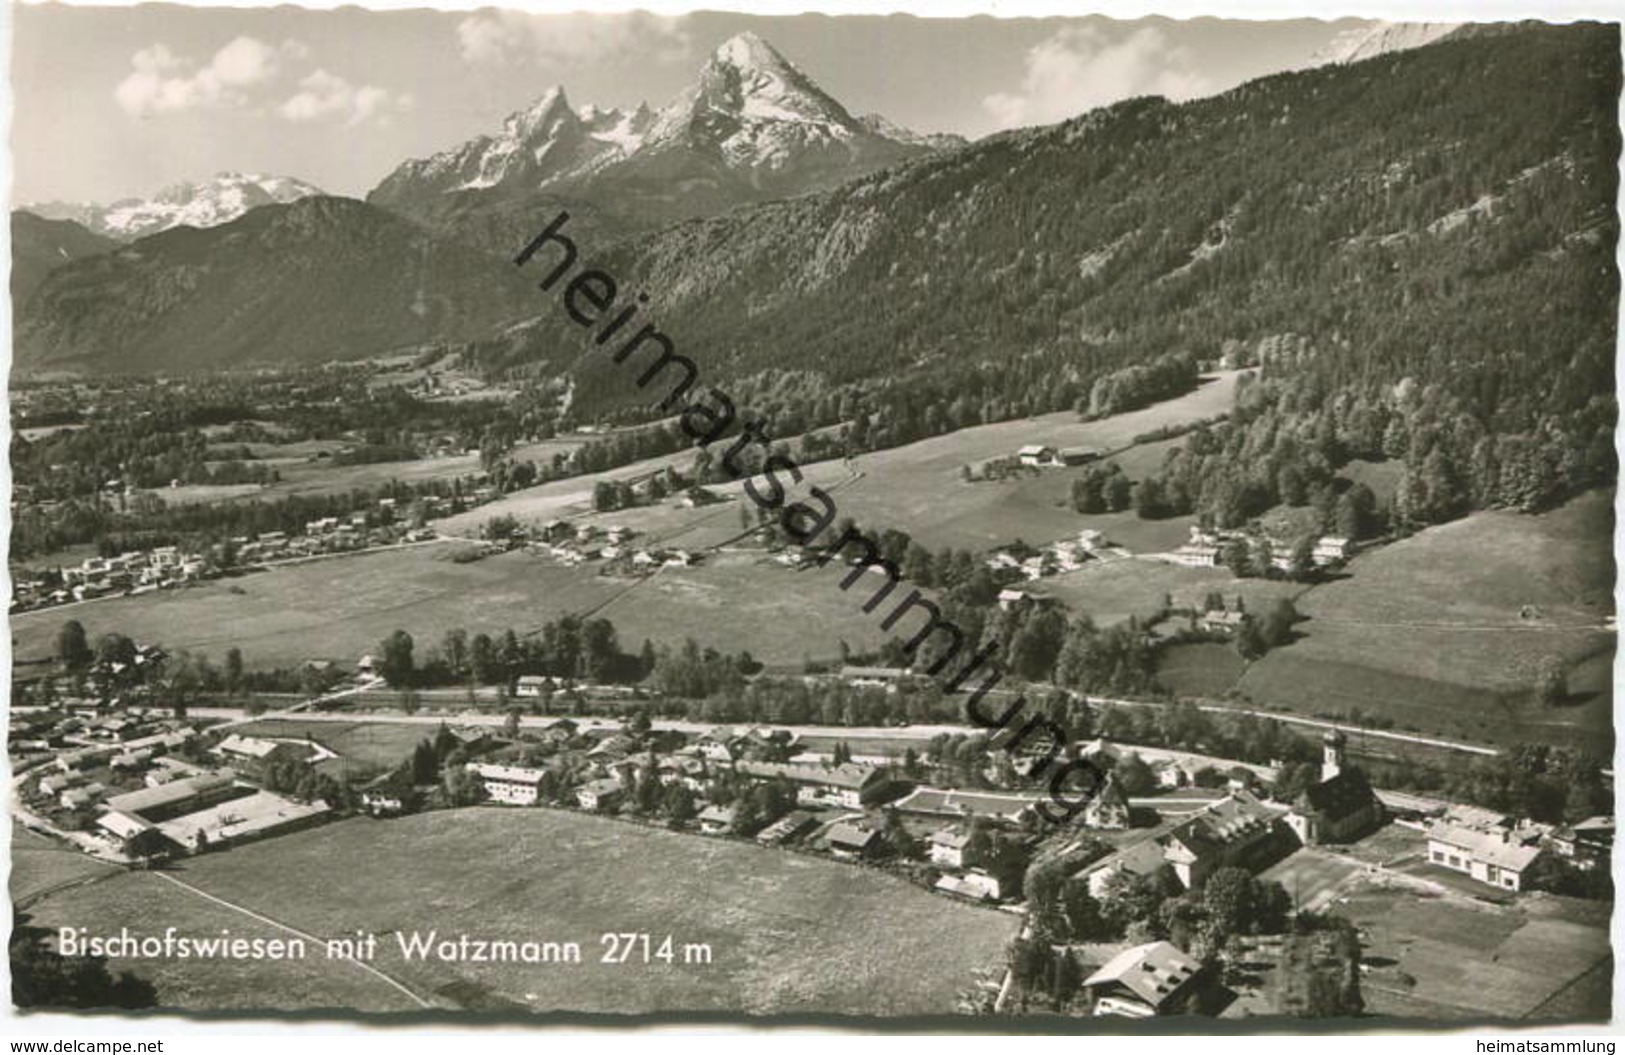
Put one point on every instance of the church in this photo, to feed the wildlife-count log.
(1341, 807)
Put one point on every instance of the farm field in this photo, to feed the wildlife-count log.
(303, 475)
(1448, 957)
(342, 608)
(787, 933)
(918, 487)
(1444, 631)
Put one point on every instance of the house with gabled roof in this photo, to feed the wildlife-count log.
(1237, 830)
(850, 785)
(946, 847)
(1146, 981)
(852, 841)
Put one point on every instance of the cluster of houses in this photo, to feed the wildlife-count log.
(580, 543)
(149, 787)
(134, 572)
(167, 567)
(1206, 549)
(1056, 558)
(331, 535)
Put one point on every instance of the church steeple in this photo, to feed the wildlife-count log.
(1331, 761)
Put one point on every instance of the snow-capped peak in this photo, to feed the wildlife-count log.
(751, 111)
(748, 51)
(207, 203)
(542, 117)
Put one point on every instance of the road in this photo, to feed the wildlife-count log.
(890, 732)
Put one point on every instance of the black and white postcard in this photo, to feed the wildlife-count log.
(1073, 523)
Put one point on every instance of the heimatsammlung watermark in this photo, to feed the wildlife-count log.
(708, 415)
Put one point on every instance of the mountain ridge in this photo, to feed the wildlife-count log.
(219, 199)
(753, 126)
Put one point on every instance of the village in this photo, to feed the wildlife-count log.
(136, 572)
(140, 786)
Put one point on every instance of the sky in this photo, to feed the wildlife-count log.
(119, 102)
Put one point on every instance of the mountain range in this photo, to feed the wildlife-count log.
(208, 203)
(1332, 201)
(753, 127)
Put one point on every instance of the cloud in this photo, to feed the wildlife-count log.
(249, 75)
(160, 82)
(1082, 67)
(323, 95)
(512, 38)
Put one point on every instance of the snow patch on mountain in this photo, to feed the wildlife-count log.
(1380, 38)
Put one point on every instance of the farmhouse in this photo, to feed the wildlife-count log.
(259, 753)
(1330, 549)
(1196, 554)
(852, 842)
(599, 794)
(384, 796)
(1146, 980)
(1341, 807)
(716, 820)
(511, 785)
(975, 885)
(1498, 856)
(851, 785)
(1221, 621)
(947, 847)
(533, 685)
(1587, 843)
(1141, 859)
(1035, 454)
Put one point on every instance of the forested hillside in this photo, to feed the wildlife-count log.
(312, 281)
(1421, 244)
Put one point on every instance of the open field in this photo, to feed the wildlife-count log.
(342, 608)
(147, 903)
(1444, 631)
(1209, 668)
(787, 933)
(1449, 957)
(40, 865)
(1113, 590)
(304, 474)
(918, 487)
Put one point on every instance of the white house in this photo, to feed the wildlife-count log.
(511, 785)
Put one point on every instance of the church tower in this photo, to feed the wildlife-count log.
(1331, 761)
